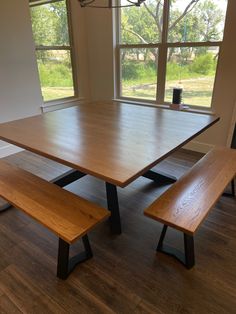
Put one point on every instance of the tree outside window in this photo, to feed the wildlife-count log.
(170, 43)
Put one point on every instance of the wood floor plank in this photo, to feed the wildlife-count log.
(108, 290)
(26, 296)
(7, 306)
(69, 297)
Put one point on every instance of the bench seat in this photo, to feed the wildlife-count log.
(185, 205)
(67, 215)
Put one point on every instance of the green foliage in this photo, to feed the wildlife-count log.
(199, 21)
(133, 70)
(138, 72)
(203, 64)
(50, 28)
(55, 75)
(137, 26)
(50, 25)
(176, 71)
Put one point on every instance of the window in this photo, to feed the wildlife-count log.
(170, 43)
(51, 31)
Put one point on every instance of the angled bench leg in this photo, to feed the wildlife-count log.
(189, 251)
(232, 194)
(162, 237)
(187, 258)
(65, 265)
(233, 187)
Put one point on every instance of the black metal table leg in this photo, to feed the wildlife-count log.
(113, 206)
(159, 177)
(68, 177)
(65, 265)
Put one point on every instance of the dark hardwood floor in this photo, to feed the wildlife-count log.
(125, 275)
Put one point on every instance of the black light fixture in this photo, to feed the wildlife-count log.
(109, 4)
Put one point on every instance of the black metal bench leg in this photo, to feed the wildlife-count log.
(162, 237)
(232, 194)
(187, 258)
(233, 187)
(87, 246)
(63, 259)
(189, 251)
(65, 265)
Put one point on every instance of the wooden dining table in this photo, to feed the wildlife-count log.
(115, 142)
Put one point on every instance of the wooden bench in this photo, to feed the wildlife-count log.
(69, 216)
(188, 201)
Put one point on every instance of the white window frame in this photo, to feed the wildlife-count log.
(70, 47)
(162, 46)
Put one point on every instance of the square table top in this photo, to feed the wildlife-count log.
(116, 142)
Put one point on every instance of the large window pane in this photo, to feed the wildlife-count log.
(50, 25)
(163, 25)
(196, 21)
(192, 69)
(55, 74)
(53, 48)
(139, 73)
(142, 25)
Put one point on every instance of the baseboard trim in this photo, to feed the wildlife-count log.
(199, 147)
(9, 150)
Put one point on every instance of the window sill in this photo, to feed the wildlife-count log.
(166, 106)
(65, 101)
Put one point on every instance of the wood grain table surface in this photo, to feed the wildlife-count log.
(114, 142)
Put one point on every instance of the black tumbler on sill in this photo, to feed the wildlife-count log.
(177, 96)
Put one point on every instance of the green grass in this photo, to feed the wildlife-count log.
(197, 91)
(53, 93)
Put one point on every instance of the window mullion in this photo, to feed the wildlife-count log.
(117, 14)
(162, 55)
(34, 3)
(195, 44)
(72, 49)
(139, 45)
(53, 48)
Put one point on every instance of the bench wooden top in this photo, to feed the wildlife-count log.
(185, 205)
(67, 215)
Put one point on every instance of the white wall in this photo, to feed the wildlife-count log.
(19, 86)
(81, 51)
(100, 45)
(20, 94)
(100, 52)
